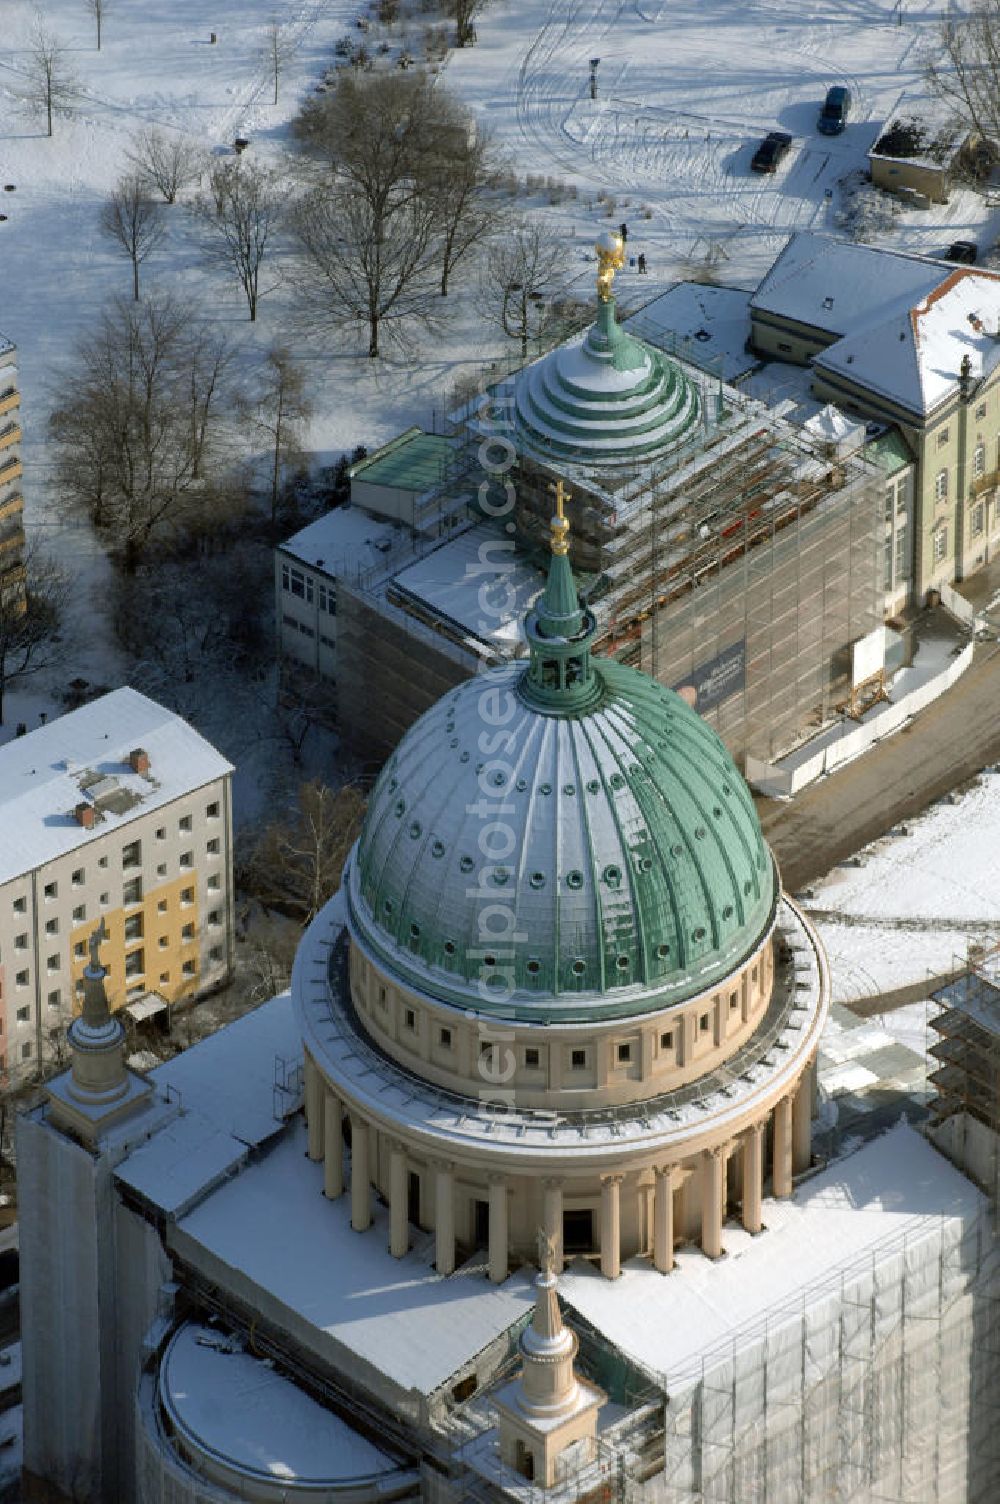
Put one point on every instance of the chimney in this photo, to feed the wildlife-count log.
(86, 815)
(138, 760)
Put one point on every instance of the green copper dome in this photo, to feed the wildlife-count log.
(604, 396)
(563, 841)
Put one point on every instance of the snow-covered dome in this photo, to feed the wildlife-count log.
(604, 396)
(563, 841)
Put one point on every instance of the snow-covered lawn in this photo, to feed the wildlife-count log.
(915, 901)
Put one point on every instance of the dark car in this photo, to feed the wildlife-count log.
(836, 108)
(769, 153)
(962, 250)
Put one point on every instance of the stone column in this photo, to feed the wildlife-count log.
(663, 1219)
(611, 1234)
(802, 1123)
(498, 1229)
(753, 1177)
(399, 1220)
(361, 1209)
(314, 1109)
(712, 1166)
(781, 1167)
(333, 1149)
(552, 1221)
(444, 1218)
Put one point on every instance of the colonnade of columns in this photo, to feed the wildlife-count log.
(790, 1154)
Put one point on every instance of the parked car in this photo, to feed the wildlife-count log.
(962, 250)
(769, 153)
(836, 108)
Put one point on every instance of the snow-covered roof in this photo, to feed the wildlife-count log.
(42, 775)
(921, 128)
(224, 1087)
(704, 324)
(914, 356)
(6, 345)
(240, 1410)
(272, 1226)
(346, 540)
(478, 583)
(836, 286)
(890, 1193)
(834, 426)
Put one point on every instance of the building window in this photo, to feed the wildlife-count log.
(212, 846)
(184, 823)
(624, 1054)
(188, 969)
(212, 811)
(215, 918)
(734, 1001)
(705, 1022)
(163, 942)
(902, 555)
(20, 905)
(979, 459)
(79, 914)
(214, 883)
(187, 933)
(444, 1038)
(161, 834)
(132, 854)
(977, 520)
(409, 1019)
(52, 926)
(80, 949)
(161, 870)
(51, 891)
(531, 1059)
(23, 1015)
(215, 954)
(20, 942)
(55, 998)
(102, 861)
(164, 978)
(135, 963)
(578, 1060)
(941, 486)
(940, 544)
(943, 437)
(132, 891)
(21, 979)
(187, 897)
(981, 410)
(161, 907)
(133, 927)
(187, 859)
(105, 900)
(78, 877)
(667, 1040)
(53, 963)
(26, 1052)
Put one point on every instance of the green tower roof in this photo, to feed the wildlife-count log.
(559, 842)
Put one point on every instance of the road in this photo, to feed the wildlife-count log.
(947, 744)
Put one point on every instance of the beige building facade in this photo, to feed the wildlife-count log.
(132, 827)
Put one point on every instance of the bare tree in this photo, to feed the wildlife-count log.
(297, 863)
(133, 220)
(279, 50)
(242, 213)
(98, 9)
(169, 163)
(517, 277)
(29, 622)
(367, 265)
(139, 425)
(967, 76)
(50, 85)
(275, 411)
(459, 180)
(463, 12)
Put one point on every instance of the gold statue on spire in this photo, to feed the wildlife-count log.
(559, 538)
(610, 250)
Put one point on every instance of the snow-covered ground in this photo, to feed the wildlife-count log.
(915, 901)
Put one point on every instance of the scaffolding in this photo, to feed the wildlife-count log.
(748, 539)
(882, 1390)
(968, 1047)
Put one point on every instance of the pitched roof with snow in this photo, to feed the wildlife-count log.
(914, 357)
(836, 286)
(84, 756)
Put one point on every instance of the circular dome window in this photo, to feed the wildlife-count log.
(537, 879)
(622, 963)
(501, 876)
(579, 967)
(574, 879)
(466, 864)
(616, 781)
(437, 848)
(699, 933)
(545, 788)
(449, 947)
(415, 830)
(400, 807)
(594, 786)
(521, 785)
(663, 951)
(414, 932)
(534, 967)
(388, 906)
(613, 876)
(569, 788)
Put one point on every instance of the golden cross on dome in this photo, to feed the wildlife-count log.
(560, 522)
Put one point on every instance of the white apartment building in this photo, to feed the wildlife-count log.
(117, 811)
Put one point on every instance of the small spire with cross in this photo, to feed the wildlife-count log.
(559, 539)
(97, 939)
